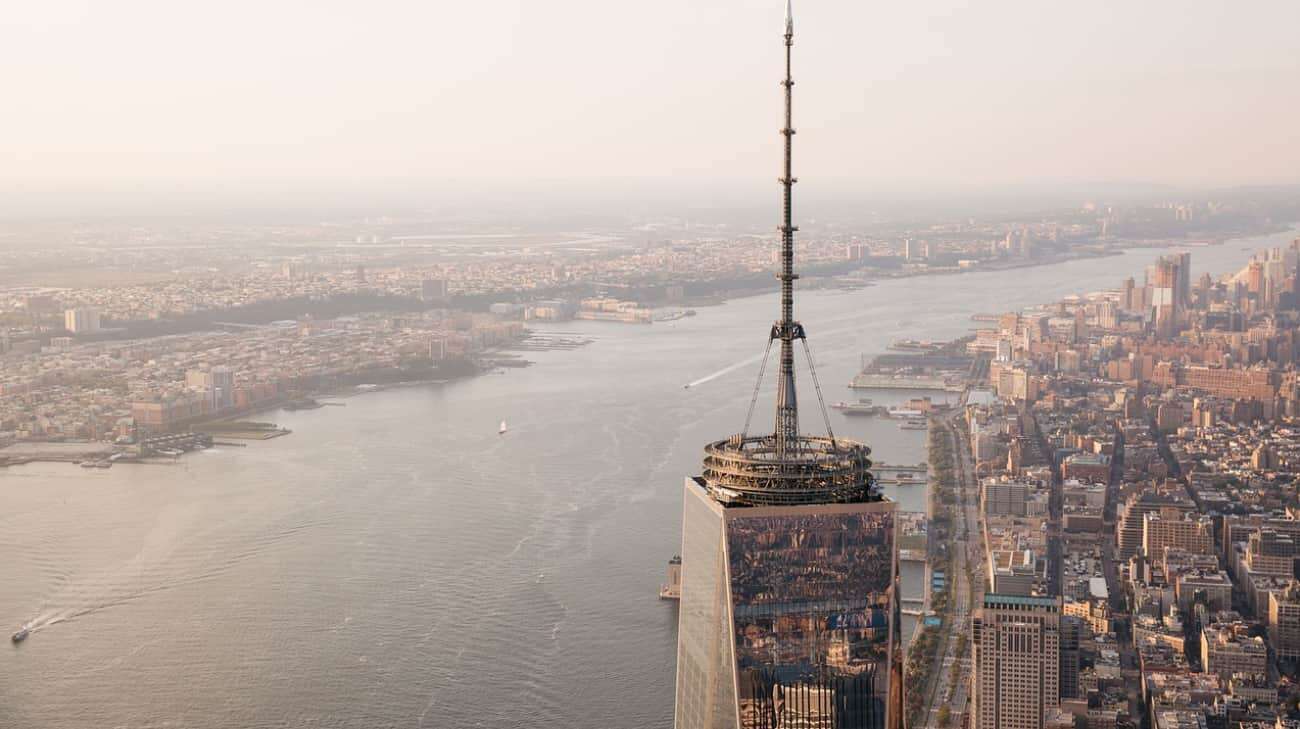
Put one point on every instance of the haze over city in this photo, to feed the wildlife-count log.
(483, 365)
(417, 101)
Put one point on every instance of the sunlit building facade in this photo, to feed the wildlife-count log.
(786, 614)
(1017, 656)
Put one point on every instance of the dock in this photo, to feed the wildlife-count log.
(672, 589)
(870, 381)
(919, 468)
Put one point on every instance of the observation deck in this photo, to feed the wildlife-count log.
(748, 471)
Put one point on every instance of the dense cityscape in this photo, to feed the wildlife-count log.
(107, 359)
(356, 377)
(1128, 486)
(1135, 489)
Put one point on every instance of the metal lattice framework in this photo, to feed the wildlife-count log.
(788, 467)
(750, 471)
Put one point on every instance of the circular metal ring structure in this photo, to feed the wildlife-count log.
(748, 471)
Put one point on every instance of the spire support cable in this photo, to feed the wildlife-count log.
(817, 385)
(753, 400)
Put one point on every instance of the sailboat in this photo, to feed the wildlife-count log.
(503, 429)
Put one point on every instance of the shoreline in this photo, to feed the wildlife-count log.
(76, 452)
(95, 451)
(1120, 248)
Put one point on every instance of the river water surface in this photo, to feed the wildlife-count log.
(397, 563)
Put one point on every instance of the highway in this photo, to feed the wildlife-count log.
(966, 562)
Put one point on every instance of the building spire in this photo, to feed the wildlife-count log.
(787, 329)
(787, 467)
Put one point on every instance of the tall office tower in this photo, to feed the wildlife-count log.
(788, 612)
(1017, 661)
(1169, 277)
(81, 320)
(1204, 286)
(1184, 288)
(1071, 636)
(1255, 277)
(1107, 316)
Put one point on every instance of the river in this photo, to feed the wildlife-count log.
(397, 563)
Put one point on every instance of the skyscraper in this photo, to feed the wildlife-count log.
(788, 611)
(1017, 661)
(81, 320)
(1171, 292)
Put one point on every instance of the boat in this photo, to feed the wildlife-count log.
(861, 407)
(503, 429)
(21, 635)
(913, 425)
(900, 412)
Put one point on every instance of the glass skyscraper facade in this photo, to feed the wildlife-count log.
(786, 614)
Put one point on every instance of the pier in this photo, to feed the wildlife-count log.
(174, 444)
(918, 468)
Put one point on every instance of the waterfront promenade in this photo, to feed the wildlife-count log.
(949, 687)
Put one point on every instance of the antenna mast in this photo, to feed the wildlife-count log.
(787, 329)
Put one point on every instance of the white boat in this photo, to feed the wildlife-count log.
(901, 412)
(503, 429)
(862, 407)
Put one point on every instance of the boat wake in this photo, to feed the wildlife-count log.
(725, 370)
(168, 563)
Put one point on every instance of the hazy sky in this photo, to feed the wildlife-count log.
(1188, 92)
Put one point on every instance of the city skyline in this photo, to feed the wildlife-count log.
(351, 357)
